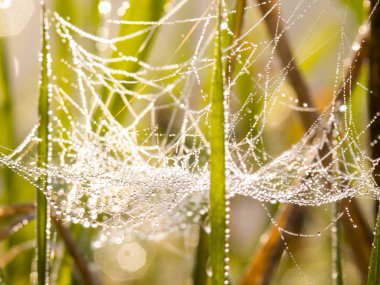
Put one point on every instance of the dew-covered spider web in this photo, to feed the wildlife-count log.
(130, 133)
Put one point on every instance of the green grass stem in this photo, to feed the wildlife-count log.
(336, 247)
(217, 165)
(43, 152)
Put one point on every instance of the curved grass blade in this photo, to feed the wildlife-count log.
(139, 10)
(43, 156)
(139, 46)
(217, 165)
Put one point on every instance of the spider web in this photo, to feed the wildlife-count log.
(145, 166)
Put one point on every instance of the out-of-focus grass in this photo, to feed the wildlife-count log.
(199, 273)
(7, 123)
(357, 8)
(86, 15)
(12, 190)
(201, 258)
(139, 10)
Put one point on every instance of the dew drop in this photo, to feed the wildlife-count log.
(5, 4)
(104, 7)
(342, 108)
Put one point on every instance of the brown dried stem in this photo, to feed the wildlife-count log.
(88, 276)
(17, 209)
(262, 266)
(15, 225)
(278, 33)
(264, 262)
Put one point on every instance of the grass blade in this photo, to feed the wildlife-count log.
(374, 104)
(263, 264)
(43, 156)
(217, 162)
(139, 10)
(13, 190)
(3, 279)
(237, 27)
(336, 245)
(7, 125)
(374, 267)
(199, 271)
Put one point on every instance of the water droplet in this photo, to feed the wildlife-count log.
(4, 4)
(342, 108)
(123, 8)
(104, 7)
(224, 26)
(356, 46)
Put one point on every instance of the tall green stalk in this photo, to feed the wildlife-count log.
(43, 153)
(199, 272)
(336, 246)
(217, 162)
